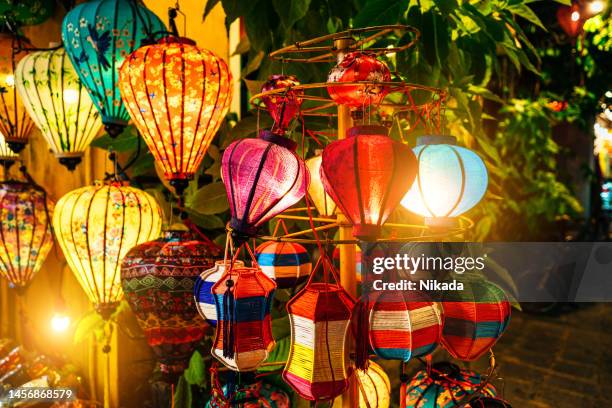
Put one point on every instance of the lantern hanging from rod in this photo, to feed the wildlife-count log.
(263, 177)
(57, 102)
(450, 181)
(321, 200)
(95, 227)
(202, 290)
(374, 387)
(15, 124)
(367, 174)
(286, 263)
(474, 319)
(98, 36)
(283, 107)
(178, 95)
(25, 231)
(7, 155)
(158, 278)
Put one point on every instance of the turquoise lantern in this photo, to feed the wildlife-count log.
(450, 181)
(98, 36)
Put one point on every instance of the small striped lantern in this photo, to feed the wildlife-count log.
(404, 325)
(321, 200)
(474, 319)
(374, 387)
(444, 387)
(319, 317)
(243, 298)
(287, 263)
(202, 290)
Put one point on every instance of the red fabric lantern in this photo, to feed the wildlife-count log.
(263, 177)
(367, 174)
(284, 106)
(570, 19)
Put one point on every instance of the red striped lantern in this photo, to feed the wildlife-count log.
(474, 319)
(367, 174)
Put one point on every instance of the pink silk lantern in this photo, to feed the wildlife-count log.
(283, 106)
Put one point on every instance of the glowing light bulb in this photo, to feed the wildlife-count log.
(575, 16)
(71, 96)
(596, 7)
(10, 81)
(60, 322)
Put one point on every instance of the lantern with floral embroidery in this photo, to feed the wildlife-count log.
(374, 387)
(98, 36)
(178, 95)
(287, 263)
(95, 227)
(321, 200)
(282, 107)
(58, 103)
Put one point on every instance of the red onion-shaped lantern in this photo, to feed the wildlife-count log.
(157, 278)
(263, 177)
(283, 106)
(570, 19)
(367, 174)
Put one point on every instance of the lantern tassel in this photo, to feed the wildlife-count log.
(228, 320)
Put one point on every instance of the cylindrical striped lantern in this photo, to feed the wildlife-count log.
(474, 319)
(243, 298)
(374, 387)
(287, 263)
(404, 325)
(202, 290)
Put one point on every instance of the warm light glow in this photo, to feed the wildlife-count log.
(575, 15)
(596, 6)
(9, 80)
(375, 387)
(321, 200)
(71, 96)
(5, 151)
(60, 322)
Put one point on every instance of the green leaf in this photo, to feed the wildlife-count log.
(210, 199)
(243, 46)
(195, 374)
(380, 12)
(253, 64)
(234, 9)
(280, 327)
(182, 394)
(126, 141)
(524, 11)
(290, 11)
(484, 92)
(246, 127)
(87, 326)
(210, 4)
(279, 354)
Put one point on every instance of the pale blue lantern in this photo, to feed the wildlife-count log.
(450, 181)
(98, 36)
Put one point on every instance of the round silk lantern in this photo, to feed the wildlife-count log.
(95, 227)
(243, 298)
(178, 95)
(98, 36)
(488, 402)
(7, 156)
(444, 387)
(358, 66)
(321, 200)
(158, 279)
(450, 181)
(263, 177)
(15, 124)
(286, 263)
(367, 174)
(251, 393)
(25, 231)
(57, 102)
(474, 318)
(374, 387)
(282, 107)
(202, 290)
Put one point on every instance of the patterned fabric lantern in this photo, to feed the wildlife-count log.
(25, 228)
(321, 200)
(243, 298)
(404, 325)
(15, 124)
(158, 279)
(57, 102)
(178, 95)
(488, 402)
(374, 387)
(444, 387)
(282, 107)
(287, 263)
(7, 156)
(474, 318)
(367, 174)
(202, 290)
(450, 181)
(98, 36)
(263, 177)
(251, 393)
(96, 226)
(319, 316)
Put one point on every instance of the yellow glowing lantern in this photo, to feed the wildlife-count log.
(321, 200)
(374, 387)
(7, 156)
(95, 227)
(58, 103)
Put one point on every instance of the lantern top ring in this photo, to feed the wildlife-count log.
(324, 48)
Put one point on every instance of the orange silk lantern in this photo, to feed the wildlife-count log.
(177, 94)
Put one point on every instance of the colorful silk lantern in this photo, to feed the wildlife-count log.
(282, 107)
(98, 36)
(263, 177)
(15, 124)
(404, 325)
(286, 263)
(7, 156)
(178, 95)
(202, 290)
(243, 298)
(367, 174)
(445, 387)
(321, 200)
(95, 227)
(250, 393)
(25, 231)
(57, 102)
(474, 318)
(450, 181)
(374, 387)
(158, 278)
